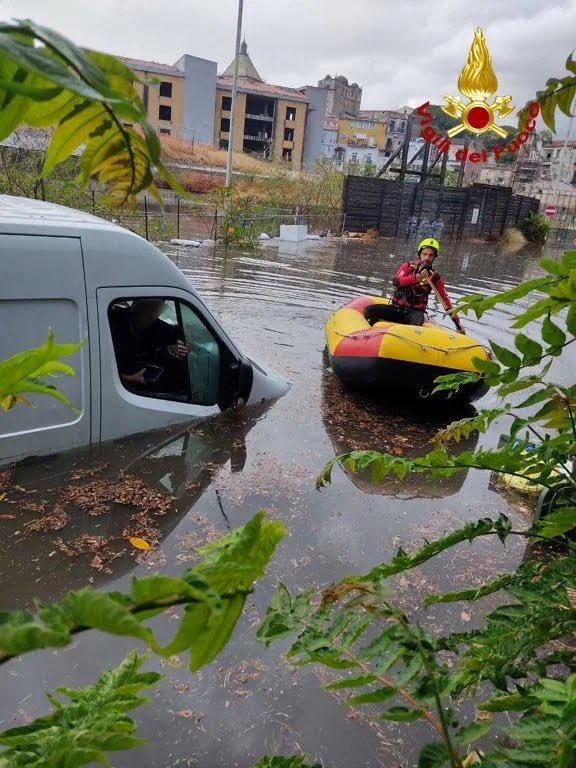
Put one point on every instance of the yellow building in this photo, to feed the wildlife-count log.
(270, 119)
(359, 132)
(161, 87)
(190, 101)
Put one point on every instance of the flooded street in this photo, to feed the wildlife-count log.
(191, 485)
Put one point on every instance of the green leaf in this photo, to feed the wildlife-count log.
(552, 334)
(536, 397)
(295, 761)
(373, 697)
(506, 357)
(571, 318)
(471, 733)
(531, 350)
(21, 372)
(557, 523)
(486, 366)
(85, 97)
(401, 715)
(433, 756)
(471, 594)
(514, 702)
(554, 267)
(215, 592)
(79, 732)
(351, 682)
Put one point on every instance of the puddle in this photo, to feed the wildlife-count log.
(181, 487)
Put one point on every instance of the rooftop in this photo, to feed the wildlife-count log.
(269, 89)
(142, 65)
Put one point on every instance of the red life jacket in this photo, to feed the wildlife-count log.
(414, 294)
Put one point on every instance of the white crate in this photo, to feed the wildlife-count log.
(293, 232)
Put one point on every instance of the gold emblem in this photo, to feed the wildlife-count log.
(478, 82)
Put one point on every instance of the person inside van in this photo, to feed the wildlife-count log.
(149, 351)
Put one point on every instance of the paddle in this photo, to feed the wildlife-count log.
(445, 306)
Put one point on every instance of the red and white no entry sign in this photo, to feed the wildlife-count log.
(550, 210)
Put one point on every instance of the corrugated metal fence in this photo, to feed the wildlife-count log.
(399, 208)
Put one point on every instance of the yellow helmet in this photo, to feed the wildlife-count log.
(429, 242)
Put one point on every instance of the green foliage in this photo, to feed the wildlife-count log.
(92, 722)
(558, 94)
(26, 372)
(213, 592)
(524, 653)
(85, 98)
(536, 227)
(296, 761)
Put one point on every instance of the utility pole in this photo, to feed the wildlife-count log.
(234, 92)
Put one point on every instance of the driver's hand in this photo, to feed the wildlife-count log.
(135, 378)
(179, 350)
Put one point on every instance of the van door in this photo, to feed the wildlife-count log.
(42, 287)
(163, 359)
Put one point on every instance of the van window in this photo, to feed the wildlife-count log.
(165, 350)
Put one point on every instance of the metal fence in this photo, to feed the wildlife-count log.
(190, 221)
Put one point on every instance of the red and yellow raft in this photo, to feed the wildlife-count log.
(391, 355)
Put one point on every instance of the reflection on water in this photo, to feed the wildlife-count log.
(93, 500)
(182, 488)
(353, 422)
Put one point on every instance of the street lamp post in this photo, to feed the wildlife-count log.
(234, 92)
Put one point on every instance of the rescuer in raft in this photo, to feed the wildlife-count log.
(413, 283)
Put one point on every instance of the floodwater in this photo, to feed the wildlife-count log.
(183, 487)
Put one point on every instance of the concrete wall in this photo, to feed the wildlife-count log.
(314, 125)
(151, 95)
(199, 98)
(297, 125)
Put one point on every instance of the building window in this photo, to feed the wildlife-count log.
(164, 112)
(223, 143)
(165, 131)
(164, 350)
(290, 113)
(288, 134)
(226, 103)
(225, 124)
(166, 89)
(287, 155)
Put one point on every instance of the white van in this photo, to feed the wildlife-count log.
(89, 279)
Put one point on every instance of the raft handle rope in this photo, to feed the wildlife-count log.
(357, 335)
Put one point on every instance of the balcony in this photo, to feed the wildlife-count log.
(260, 137)
(266, 118)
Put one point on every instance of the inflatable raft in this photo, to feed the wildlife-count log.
(390, 355)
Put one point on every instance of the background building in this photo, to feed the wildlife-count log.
(270, 119)
(396, 122)
(181, 101)
(342, 99)
(190, 101)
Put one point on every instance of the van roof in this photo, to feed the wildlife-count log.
(27, 215)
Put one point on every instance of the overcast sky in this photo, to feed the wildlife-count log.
(400, 52)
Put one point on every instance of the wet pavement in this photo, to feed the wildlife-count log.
(66, 519)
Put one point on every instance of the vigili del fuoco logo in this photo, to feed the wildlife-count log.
(478, 84)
